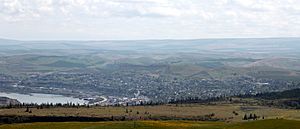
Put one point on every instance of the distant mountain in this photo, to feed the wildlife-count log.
(7, 44)
(283, 63)
(8, 41)
(251, 45)
(4, 101)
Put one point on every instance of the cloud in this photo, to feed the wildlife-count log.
(150, 18)
(93, 8)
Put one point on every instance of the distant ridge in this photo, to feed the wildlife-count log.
(4, 101)
(109, 40)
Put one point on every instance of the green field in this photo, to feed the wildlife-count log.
(263, 124)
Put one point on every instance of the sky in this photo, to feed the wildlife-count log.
(148, 19)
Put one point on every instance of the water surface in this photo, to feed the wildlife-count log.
(42, 98)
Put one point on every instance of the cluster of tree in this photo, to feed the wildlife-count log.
(43, 105)
(74, 105)
(251, 117)
(28, 110)
(208, 117)
(235, 113)
(284, 99)
(294, 93)
(292, 103)
(130, 111)
(29, 119)
(142, 103)
(199, 100)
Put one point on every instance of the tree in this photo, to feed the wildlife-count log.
(112, 118)
(255, 117)
(10, 105)
(250, 116)
(235, 113)
(245, 117)
(27, 109)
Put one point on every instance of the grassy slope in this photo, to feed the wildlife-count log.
(265, 124)
(184, 110)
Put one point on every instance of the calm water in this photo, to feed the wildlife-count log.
(42, 98)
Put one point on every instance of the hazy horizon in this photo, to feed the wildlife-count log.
(225, 38)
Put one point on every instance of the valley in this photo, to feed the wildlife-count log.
(131, 72)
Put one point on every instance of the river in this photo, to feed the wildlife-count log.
(42, 98)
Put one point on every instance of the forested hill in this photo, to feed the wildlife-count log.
(288, 94)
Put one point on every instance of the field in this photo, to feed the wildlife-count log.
(263, 124)
(221, 111)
